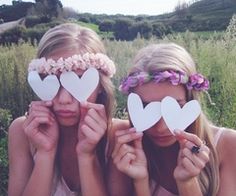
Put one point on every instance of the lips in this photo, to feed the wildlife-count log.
(163, 138)
(65, 113)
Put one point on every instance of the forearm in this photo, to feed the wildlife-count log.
(118, 183)
(190, 187)
(40, 182)
(142, 187)
(91, 177)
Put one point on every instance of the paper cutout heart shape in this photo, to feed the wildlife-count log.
(80, 88)
(45, 89)
(143, 118)
(176, 117)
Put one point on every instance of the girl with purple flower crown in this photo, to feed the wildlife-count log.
(199, 160)
(58, 148)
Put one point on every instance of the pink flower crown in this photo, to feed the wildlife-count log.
(193, 82)
(49, 66)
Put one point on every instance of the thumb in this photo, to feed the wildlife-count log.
(83, 111)
(138, 142)
(180, 138)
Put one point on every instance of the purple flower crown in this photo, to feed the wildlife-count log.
(193, 82)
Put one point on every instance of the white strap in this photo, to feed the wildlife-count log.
(218, 135)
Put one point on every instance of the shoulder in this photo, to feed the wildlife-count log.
(16, 126)
(227, 146)
(16, 132)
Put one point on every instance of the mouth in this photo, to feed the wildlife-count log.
(163, 138)
(65, 113)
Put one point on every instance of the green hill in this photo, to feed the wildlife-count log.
(204, 15)
(14, 12)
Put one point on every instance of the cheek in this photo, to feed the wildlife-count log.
(160, 126)
(93, 97)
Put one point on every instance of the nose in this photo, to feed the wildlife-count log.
(64, 97)
(161, 126)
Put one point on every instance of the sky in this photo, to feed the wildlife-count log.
(126, 7)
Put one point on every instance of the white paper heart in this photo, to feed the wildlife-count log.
(80, 88)
(45, 89)
(176, 117)
(143, 118)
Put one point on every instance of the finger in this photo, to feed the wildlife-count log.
(99, 120)
(204, 151)
(182, 142)
(189, 166)
(92, 124)
(125, 162)
(124, 139)
(35, 113)
(124, 132)
(98, 107)
(188, 136)
(33, 125)
(138, 143)
(124, 149)
(37, 107)
(83, 113)
(197, 161)
(41, 103)
(90, 134)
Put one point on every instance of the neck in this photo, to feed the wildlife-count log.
(68, 134)
(167, 156)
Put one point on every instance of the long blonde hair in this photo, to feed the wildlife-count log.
(80, 40)
(171, 56)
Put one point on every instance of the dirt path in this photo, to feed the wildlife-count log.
(8, 25)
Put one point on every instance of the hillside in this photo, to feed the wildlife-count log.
(201, 15)
(204, 15)
(14, 12)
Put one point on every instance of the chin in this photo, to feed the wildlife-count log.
(164, 143)
(67, 122)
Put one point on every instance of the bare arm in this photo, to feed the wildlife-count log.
(118, 182)
(190, 187)
(227, 149)
(91, 177)
(92, 127)
(20, 160)
(27, 176)
(32, 177)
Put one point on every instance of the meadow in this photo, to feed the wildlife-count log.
(215, 58)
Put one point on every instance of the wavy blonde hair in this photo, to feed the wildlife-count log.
(168, 56)
(80, 40)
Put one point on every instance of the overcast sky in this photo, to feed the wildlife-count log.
(127, 7)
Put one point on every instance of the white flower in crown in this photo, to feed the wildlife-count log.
(49, 66)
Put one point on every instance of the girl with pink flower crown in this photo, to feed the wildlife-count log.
(58, 148)
(165, 160)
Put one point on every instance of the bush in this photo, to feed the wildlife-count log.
(13, 35)
(31, 21)
(5, 119)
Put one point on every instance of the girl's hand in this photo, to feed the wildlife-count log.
(190, 164)
(41, 127)
(92, 127)
(130, 158)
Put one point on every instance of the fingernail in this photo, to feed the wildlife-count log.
(83, 103)
(48, 103)
(139, 133)
(177, 132)
(133, 129)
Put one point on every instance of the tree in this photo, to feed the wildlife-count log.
(121, 29)
(106, 25)
(143, 28)
(49, 8)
